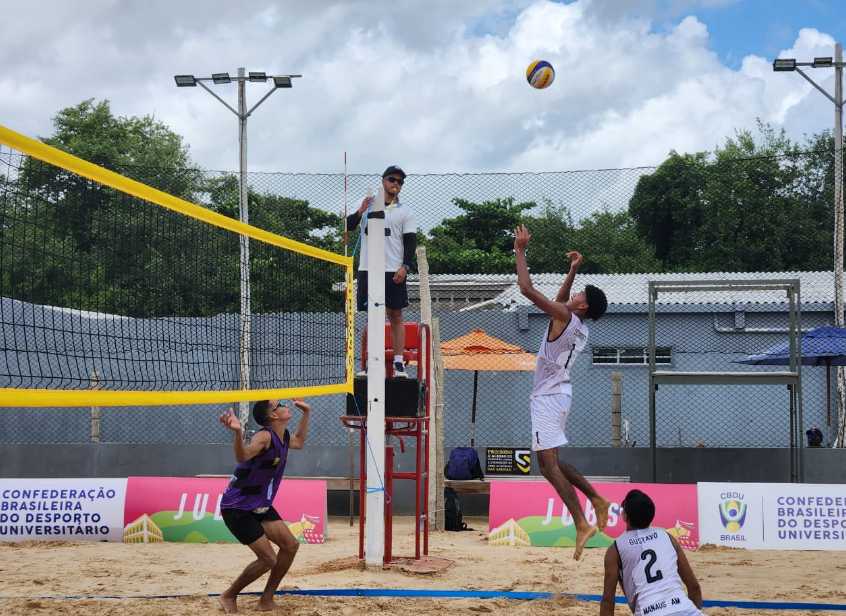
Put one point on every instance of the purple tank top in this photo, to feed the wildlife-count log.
(255, 482)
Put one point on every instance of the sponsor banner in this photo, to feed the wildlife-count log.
(187, 509)
(776, 516)
(508, 461)
(62, 509)
(532, 513)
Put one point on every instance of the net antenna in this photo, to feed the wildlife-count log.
(792, 377)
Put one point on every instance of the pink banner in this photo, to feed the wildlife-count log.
(531, 513)
(187, 509)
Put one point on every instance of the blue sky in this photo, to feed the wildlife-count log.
(765, 27)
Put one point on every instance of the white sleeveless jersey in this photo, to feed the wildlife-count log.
(650, 573)
(556, 358)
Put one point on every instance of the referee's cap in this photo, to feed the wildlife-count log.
(394, 170)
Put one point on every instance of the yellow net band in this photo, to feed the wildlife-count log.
(84, 397)
(103, 176)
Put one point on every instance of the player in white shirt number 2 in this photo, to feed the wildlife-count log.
(650, 566)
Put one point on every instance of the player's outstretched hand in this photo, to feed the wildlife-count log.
(576, 259)
(521, 237)
(229, 420)
(304, 406)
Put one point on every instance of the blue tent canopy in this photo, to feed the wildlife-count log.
(822, 346)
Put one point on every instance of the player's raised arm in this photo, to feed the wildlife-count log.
(298, 439)
(694, 590)
(575, 263)
(555, 310)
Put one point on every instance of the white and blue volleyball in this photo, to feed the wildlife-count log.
(540, 74)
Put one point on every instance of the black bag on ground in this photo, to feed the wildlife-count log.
(453, 518)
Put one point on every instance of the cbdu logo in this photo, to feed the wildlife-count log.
(732, 515)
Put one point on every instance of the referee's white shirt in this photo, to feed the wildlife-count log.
(399, 219)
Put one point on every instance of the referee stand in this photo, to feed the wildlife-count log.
(407, 406)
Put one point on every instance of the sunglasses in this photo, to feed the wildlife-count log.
(394, 180)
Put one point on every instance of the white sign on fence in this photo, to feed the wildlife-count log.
(63, 509)
(776, 516)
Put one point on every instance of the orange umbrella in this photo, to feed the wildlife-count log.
(479, 350)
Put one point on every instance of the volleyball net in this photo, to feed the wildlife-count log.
(114, 293)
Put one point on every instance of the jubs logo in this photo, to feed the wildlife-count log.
(732, 515)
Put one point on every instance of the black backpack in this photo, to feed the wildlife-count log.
(453, 519)
(463, 464)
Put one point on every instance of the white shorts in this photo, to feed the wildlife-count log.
(549, 420)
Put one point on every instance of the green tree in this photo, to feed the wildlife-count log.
(82, 245)
(813, 230)
(553, 235)
(759, 203)
(611, 245)
(668, 210)
(281, 279)
(477, 241)
(143, 149)
(69, 241)
(750, 205)
(481, 240)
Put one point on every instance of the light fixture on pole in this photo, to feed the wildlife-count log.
(279, 81)
(185, 81)
(790, 64)
(784, 64)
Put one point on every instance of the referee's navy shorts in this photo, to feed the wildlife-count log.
(396, 295)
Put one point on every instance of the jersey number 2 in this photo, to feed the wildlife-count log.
(651, 577)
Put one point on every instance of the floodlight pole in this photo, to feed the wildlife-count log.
(243, 210)
(244, 217)
(837, 99)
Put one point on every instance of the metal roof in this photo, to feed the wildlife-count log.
(631, 289)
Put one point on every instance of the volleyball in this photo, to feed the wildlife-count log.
(540, 74)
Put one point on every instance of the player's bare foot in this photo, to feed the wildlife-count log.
(601, 506)
(267, 606)
(582, 537)
(228, 604)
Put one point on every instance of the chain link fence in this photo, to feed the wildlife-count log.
(766, 216)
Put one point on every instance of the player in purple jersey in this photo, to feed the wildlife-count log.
(552, 393)
(247, 504)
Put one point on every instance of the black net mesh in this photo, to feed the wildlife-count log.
(101, 290)
(692, 216)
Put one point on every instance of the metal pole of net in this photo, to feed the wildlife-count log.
(375, 521)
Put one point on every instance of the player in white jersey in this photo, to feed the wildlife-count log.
(650, 566)
(563, 340)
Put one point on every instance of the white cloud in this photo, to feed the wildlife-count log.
(436, 87)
